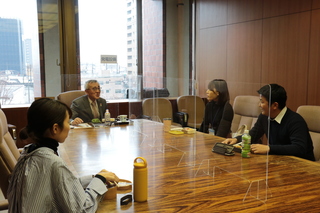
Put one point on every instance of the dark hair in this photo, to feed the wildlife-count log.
(42, 115)
(221, 86)
(278, 94)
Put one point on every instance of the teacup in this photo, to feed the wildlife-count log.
(122, 118)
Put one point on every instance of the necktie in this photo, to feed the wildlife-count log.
(94, 110)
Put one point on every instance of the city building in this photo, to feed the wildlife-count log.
(11, 46)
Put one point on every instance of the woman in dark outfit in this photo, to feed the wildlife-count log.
(218, 112)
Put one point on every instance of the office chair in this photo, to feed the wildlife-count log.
(194, 106)
(311, 114)
(246, 111)
(9, 155)
(4, 183)
(8, 149)
(157, 108)
(69, 96)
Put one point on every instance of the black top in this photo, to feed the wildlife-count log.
(218, 117)
(45, 142)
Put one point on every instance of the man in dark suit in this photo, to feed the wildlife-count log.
(89, 106)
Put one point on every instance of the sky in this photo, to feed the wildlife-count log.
(24, 10)
(102, 26)
(103, 29)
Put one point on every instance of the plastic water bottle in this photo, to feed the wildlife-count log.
(107, 117)
(140, 180)
(246, 144)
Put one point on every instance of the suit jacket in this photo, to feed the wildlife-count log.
(81, 108)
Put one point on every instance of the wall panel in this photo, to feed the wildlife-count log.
(285, 54)
(244, 10)
(288, 34)
(244, 58)
(273, 8)
(212, 13)
(211, 56)
(314, 62)
(315, 4)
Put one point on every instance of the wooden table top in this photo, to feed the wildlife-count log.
(185, 175)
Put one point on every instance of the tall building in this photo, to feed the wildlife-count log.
(11, 46)
(28, 51)
(131, 37)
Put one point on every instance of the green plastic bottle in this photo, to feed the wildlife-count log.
(246, 144)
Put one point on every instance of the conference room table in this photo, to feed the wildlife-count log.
(184, 175)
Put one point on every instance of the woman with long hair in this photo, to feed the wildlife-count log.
(218, 112)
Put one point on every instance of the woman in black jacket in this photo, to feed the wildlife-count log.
(218, 112)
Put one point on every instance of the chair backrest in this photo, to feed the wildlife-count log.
(157, 108)
(4, 177)
(246, 111)
(194, 106)
(69, 96)
(311, 115)
(8, 149)
(9, 154)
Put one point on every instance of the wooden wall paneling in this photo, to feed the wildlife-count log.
(272, 8)
(135, 108)
(244, 10)
(211, 13)
(174, 106)
(211, 56)
(118, 108)
(244, 43)
(285, 54)
(18, 117)
(315, 4)
(314, 62)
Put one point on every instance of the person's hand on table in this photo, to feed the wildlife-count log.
(230, 141)
(260, 148)
(77, 121)
(109, 176)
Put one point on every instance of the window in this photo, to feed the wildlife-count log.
(19, 52)
(110, 40)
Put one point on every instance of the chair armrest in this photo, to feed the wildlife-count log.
(4, 204)
(12, 129)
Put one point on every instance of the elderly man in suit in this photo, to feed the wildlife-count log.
(89, 106)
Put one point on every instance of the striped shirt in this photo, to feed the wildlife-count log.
(42, 182)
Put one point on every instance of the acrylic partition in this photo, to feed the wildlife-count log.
(180, 140)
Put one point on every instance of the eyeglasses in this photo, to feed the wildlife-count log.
(95, 88)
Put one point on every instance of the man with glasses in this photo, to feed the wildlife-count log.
(89, 106)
